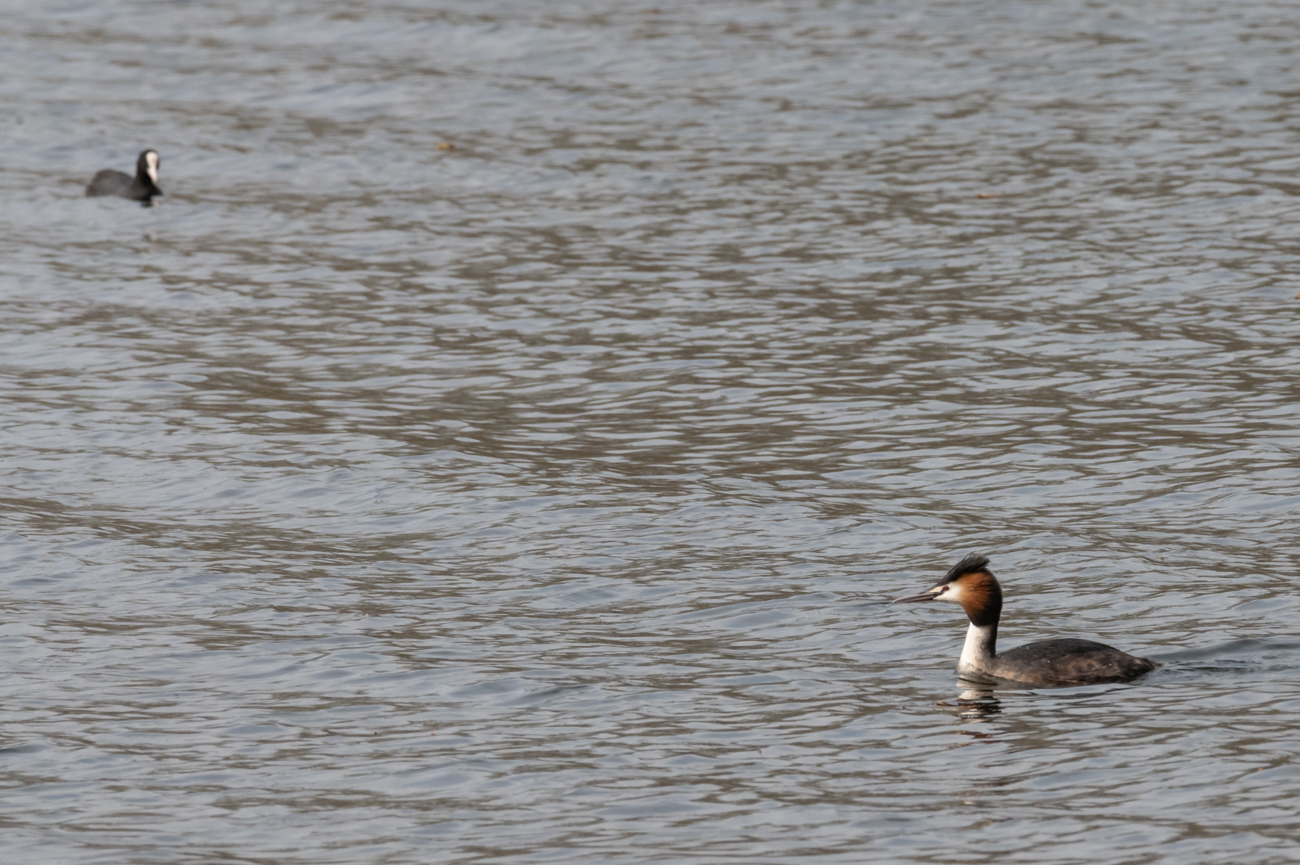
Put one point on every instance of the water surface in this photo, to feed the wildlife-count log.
(532, 499)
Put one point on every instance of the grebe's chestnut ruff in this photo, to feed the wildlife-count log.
(142, 187)
(1052, 663)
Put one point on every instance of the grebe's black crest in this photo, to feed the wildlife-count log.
(972, 564)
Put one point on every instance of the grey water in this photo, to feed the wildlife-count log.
(499, 442)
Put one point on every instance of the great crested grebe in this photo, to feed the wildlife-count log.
(1054, 663)
(142, 187)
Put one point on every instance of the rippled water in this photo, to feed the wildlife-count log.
(534, 499)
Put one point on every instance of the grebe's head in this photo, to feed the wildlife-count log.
(148, 164)
(971, 584)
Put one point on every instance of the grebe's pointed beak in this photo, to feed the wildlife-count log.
(924, 596)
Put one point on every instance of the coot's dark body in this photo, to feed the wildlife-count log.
(142, 187)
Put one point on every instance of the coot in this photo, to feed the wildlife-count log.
(142, 187)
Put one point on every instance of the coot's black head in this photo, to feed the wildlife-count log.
(146, 167)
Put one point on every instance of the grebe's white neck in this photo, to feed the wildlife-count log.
(978, 653)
